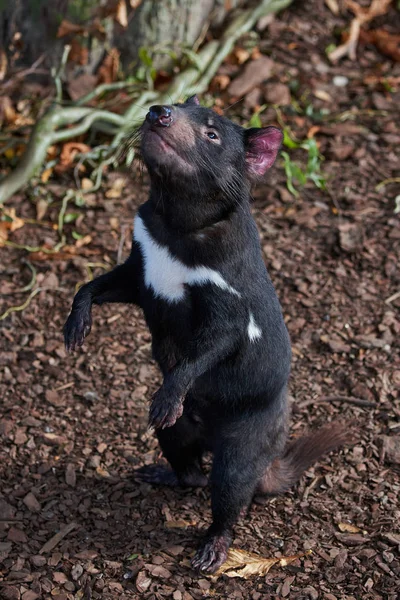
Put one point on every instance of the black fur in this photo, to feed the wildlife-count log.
(221, 391)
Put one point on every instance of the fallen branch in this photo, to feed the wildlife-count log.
(362, 17)
(191, 80)
(57, 538)
(349, 400)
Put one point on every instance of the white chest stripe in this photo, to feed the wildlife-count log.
(253, 330)
(167, 275)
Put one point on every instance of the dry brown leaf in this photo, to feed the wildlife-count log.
(179, 524)
(221, 82)
(45, 176)
(244, 564)
(121, 15)
(68, 153)
(346, 527)
(241, 55)
(387, 43)
(3, 64)
(116, 190)
(78, 53)
(9, 223)
(102, 472)
(7, 111)
(108, 71)
(113, 193)
(66, 27)
(85, 241)
(322, 95)
(86, 183)
(41, 208)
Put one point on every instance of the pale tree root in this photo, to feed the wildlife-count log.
(190, 81)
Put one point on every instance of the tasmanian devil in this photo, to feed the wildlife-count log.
(218, 333)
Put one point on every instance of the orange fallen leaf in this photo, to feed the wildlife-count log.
(7, 111)
(45, 176)
(83, 241)
(68, 153)
(66, 28)
(241, 55)
(387, 43)
(312, 131)
(102, 472)
(346, 527)
(179, 524)
(9, 222)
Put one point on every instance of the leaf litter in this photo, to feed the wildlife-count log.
(245, 564)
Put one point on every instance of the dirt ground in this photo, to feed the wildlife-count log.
(73, 522)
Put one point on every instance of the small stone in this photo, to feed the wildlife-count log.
(70, 475)
(16, 535)
(5, 549)
(30, 595)
(10, 593)
(53, 398)
(143, 581)
(31, 502)
(20, 437)
(254, 73)
(277, 93)
(340, 81)
(311, 592)
(76, 571)
(91, 396)
(38, 561)
(391, 447)
(69, 586)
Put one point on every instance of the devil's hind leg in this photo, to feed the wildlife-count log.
(244, 448)
(183, 447)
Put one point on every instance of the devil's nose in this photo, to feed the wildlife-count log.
(159, 115)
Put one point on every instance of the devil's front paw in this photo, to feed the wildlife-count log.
(212, 553)
(77, 327)
(164, 410)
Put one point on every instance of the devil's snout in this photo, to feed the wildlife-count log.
(160, 116)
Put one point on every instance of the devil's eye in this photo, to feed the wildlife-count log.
(212, 135)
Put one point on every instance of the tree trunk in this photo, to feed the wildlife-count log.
(168, 25)
(28, 28)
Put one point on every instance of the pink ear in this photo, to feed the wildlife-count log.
(193, 100)
(262, 146)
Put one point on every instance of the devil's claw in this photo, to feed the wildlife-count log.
(164, 412)
(77, 327)
(212, 553)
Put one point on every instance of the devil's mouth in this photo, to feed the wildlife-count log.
(167, 146)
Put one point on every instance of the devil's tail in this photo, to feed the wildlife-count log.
(299, 455)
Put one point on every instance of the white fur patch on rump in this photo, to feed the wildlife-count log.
(167, 275)
(253, 330)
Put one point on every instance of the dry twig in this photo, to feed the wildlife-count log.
(362, 17)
